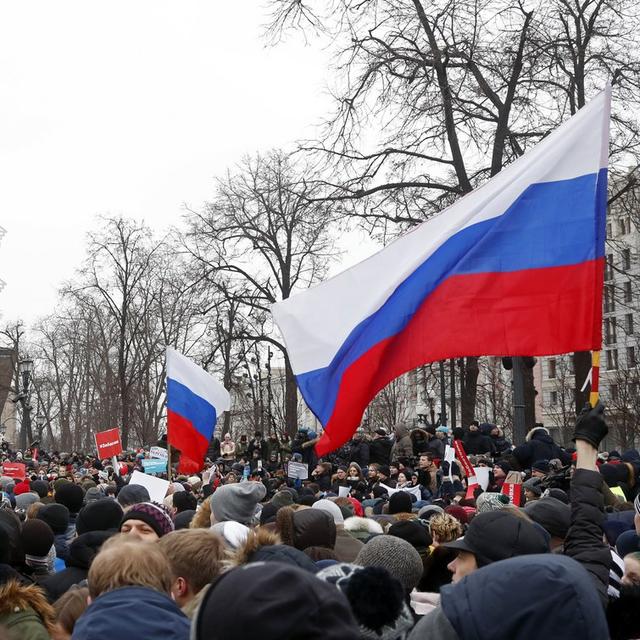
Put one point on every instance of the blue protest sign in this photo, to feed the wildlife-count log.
(154, 465)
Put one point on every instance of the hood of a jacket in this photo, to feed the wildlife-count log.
(535, 596)
(401, 430)
(132, 611)
(16, 597)
(84, 548)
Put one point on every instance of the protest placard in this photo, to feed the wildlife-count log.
(154, 465)
(482, 476)
(157, 487)
(343, 492)
(159, 452)
(298, 470)
(108, 443)
(15, 470)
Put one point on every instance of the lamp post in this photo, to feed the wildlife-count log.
(40, 420)
(25, 367)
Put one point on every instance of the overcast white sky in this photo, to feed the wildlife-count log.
(131, 107)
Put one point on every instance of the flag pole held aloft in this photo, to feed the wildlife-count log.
(514, 268)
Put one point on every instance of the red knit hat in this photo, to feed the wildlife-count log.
(22, 487)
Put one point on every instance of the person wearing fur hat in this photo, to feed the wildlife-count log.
(147, 521)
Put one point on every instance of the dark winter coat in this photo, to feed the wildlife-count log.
(584, 539)
(81, 554)
(528, 597)
(380, 451)
(539, 447)
(475, 444)
(403, 447)
(132, 611)
(359, 453)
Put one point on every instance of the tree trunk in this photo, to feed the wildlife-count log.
(291, 399)
(470, 392)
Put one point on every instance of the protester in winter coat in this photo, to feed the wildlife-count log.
(539, 445)
(346, 546)
(306, 528)
(130, 586)
(57, 517)
(71, 496)
(24, 610)
(359, 449)
(403, 448)
(559, 601)
(476, 443)
(196, 558)
(81, 554)
(380, 448)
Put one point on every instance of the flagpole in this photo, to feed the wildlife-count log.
(594, 394)
(169, 458)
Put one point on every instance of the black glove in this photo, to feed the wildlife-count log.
(590, 425)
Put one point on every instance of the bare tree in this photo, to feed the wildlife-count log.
(265, 236)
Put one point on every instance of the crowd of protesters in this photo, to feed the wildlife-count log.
(383, 539)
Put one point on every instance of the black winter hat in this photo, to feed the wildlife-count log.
(497, 535)
(99, 515)
(71, 496)
(56, 516)
(413, 532)
(400, 502)
(37, 538)
(183, 519)
(551, 514)
(540, 465)
(132, 494)
(40, 487)
(275, 601)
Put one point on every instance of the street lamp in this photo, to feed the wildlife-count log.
(25, 367)
(40, 420)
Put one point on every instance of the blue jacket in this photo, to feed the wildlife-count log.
(528, 597)
(132, 612)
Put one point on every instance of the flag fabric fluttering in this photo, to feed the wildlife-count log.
(514, 268)
(194, 401)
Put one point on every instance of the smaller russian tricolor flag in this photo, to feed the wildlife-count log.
(194, 401)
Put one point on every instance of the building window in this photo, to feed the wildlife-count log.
(631, 357)
(608, 267)
(609, 300)
(552, 368)
(628, 295)
(613, 392)
(628, 324)
(553, 398)
(610, 331)
(626, 259)
(612, 359)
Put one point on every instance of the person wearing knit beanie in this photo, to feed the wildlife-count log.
(376, 598)
(41, 488)
(458, 513)
(282, 498)
(491, 501)
(21, 487)
(25, 500)
(236, 502)
(56, 516)
(148, 521)
(400, 502)
(413, 532)
(100, 515)
(395, 555)
(71, 496)
(37, 542)
(132, 494)
(93, 494)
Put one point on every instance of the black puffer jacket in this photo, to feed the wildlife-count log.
(584, 538)
(380, 450)
(539, 447)
(81, 554)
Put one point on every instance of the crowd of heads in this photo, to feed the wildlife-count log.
(382, 539)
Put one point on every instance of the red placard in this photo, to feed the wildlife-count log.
(461, 455)
(15, 470)
(108, 443)
(512, 490)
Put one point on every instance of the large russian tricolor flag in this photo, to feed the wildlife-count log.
(194, 401)
(513, 268)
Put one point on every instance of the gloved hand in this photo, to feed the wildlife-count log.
(590, 425)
